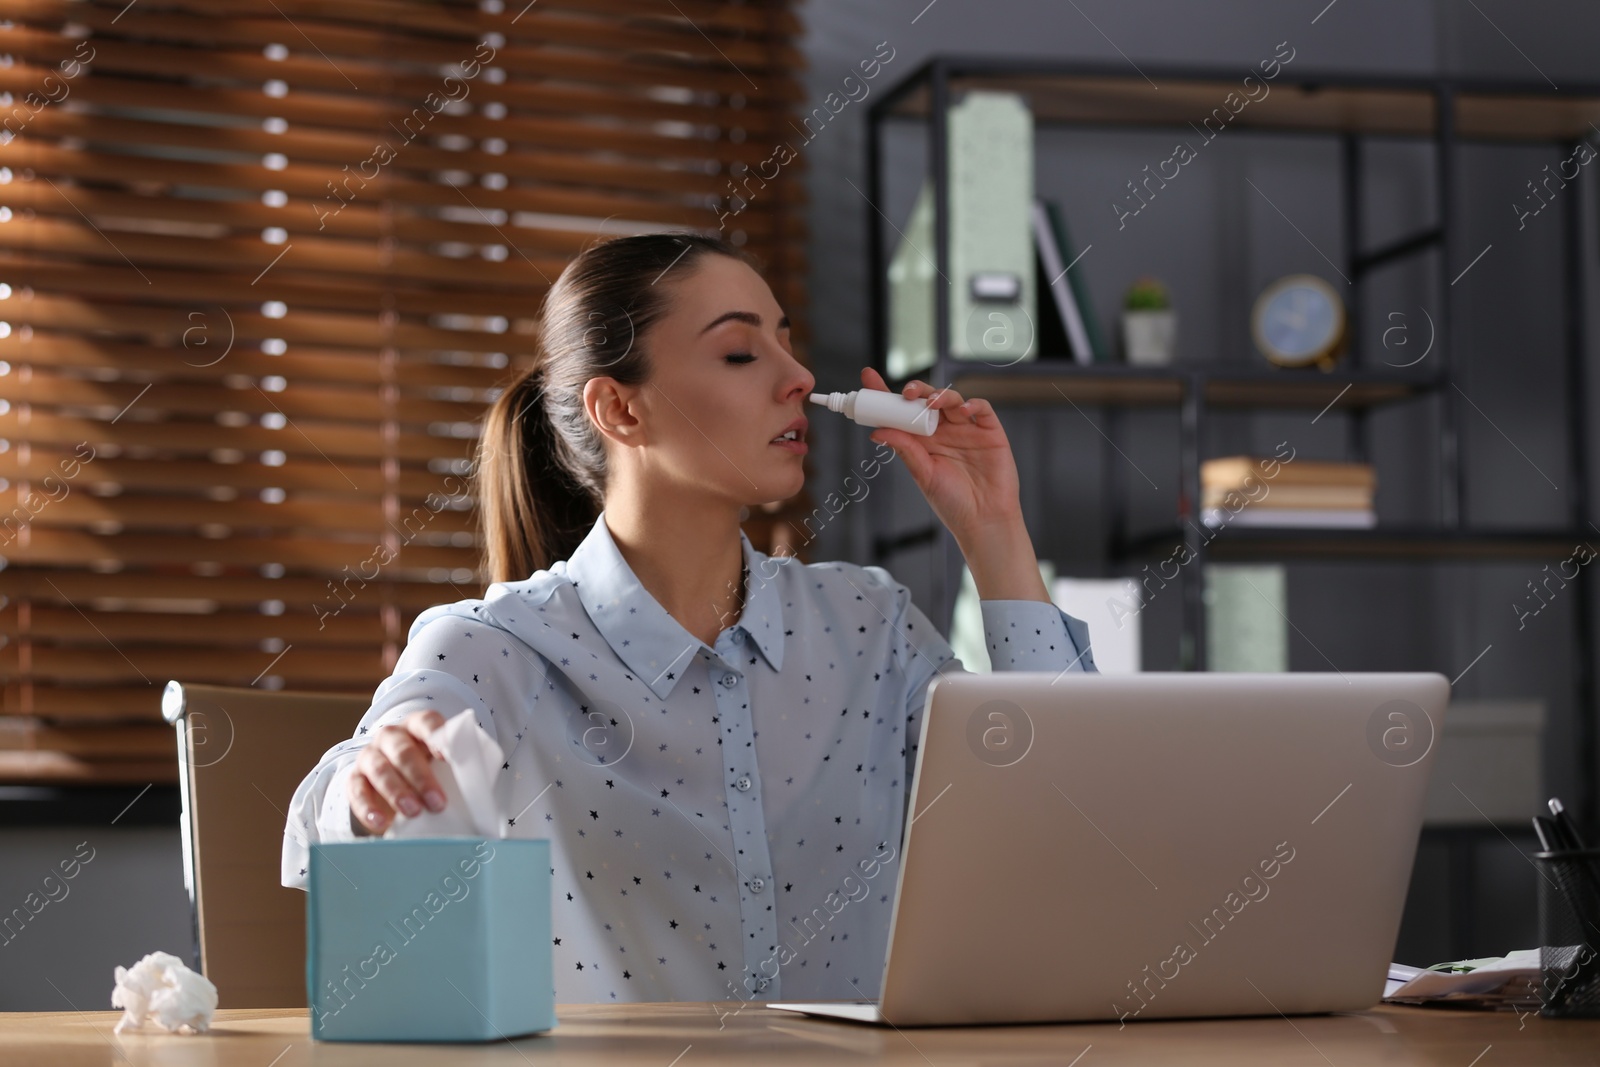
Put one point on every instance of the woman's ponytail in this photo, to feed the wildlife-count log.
(530, 509)
(540, 473)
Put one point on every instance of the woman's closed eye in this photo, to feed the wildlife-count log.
(740, 357)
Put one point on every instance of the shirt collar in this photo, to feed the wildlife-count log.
(651, 642)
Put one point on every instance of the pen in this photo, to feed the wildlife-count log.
(1549, 838)
(1563, 821)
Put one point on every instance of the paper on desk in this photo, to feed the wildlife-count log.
(467, 764)
(1399, 975)
(1510, 977)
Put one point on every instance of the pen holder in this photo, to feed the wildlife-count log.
(1569, 932)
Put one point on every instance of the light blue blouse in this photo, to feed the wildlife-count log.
(725, 821)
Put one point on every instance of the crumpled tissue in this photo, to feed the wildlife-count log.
(467, 765)
(162, 990)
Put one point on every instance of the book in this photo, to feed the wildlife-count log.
(1309, 518)
(1272, 495)
(1050, 333)
(1061, 294)
(1240, 472)
(1080, 285)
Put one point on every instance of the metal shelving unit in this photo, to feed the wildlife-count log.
(1351, 109)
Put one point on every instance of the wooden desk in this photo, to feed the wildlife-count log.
(694, 1034)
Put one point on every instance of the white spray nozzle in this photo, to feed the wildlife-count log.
(879, 407)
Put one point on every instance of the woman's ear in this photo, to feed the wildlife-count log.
(612, 407)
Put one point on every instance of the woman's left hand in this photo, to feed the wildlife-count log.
(965, 469)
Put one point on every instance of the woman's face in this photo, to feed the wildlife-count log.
(724, 384)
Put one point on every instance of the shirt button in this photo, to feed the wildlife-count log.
(757, 885)
(728, 681)
(743, 784)
(761, 984)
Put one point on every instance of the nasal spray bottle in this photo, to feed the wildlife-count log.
(879, 407)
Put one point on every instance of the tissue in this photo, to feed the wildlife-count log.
(467, 764)
(160, 989)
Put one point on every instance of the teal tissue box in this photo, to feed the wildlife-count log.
(429, 939)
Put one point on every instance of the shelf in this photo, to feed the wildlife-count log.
(1314, 389)
(1349, 110)
(1118, 100)
(1405, 543)
(1296, 101)
(1054, 381)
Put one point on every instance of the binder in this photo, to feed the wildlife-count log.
(1080, 286)
(1055, 276)
(990, 167)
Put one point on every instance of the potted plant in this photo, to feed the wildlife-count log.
(1149, 324)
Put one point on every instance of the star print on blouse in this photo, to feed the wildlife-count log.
(592, 688)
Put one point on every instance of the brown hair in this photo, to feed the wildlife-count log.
(540, 472)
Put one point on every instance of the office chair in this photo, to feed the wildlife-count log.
(241, 753)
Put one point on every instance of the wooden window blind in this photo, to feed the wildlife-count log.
(262, 267)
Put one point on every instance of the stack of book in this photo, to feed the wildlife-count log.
(1248, 491)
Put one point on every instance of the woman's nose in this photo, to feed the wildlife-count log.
(803, 382)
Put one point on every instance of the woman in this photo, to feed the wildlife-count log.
(718, 743)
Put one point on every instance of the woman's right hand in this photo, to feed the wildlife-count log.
(394, 772)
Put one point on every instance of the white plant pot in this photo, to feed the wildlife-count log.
(1148, 336)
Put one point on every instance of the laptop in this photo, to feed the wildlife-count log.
(1151, 846)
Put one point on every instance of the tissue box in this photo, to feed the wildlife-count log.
(429, 939)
